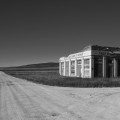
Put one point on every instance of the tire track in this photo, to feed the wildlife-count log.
(43, 100)
(26, 105)
(23, 100)
(3, 103)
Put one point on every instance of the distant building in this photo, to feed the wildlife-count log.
(92, 61)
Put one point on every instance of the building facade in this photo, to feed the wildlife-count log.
(92, 61)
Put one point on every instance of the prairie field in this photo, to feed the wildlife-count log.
(48, 74)
(53, 78)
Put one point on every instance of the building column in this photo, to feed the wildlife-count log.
(76, 67)
(92, 66)
(115, 67)
(60, 67)
(64, 67)
(82, 67)
(69, 67)
(104, 66)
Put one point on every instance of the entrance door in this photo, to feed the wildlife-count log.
(109, 68)
(98, 67)
(118, 67)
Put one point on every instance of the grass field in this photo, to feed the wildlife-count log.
(54, 79)
(48, 75)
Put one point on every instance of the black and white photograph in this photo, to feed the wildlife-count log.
(60, 60)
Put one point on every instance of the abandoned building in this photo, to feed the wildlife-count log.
(92, 61)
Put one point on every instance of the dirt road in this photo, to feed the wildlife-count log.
(23, 100)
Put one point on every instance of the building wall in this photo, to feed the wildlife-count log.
(76, 65)
(94, 61)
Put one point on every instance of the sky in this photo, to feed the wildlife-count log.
(45, 30)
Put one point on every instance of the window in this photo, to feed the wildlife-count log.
(67, 68)
(72, 63)
(86, 67)
(72, 67)
(79, 62)
(62, 64)
(86, 63)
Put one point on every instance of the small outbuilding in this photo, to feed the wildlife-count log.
(92, 61)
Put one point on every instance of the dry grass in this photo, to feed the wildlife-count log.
(54, 79)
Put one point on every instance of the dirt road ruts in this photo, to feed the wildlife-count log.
(24, 100)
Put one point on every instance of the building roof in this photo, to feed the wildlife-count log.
(101, 50)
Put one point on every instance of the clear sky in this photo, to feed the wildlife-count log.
(36, 32)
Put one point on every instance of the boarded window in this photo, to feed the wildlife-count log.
(67, 68)
(86, 63)
(72, 67)
(86, 67)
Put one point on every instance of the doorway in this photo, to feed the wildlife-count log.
(98, 67)
(109, 66)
